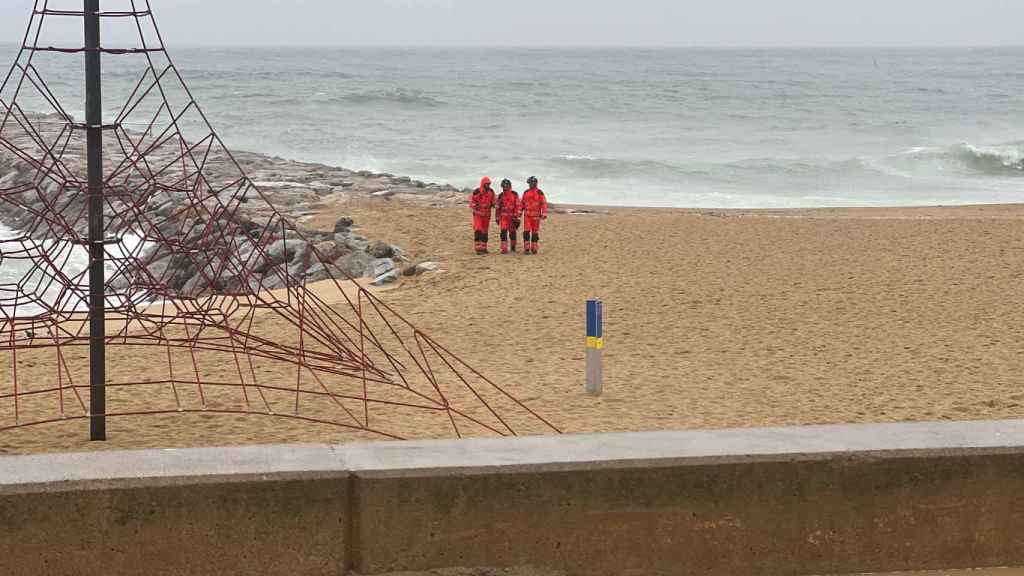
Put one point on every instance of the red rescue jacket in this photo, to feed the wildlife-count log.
(482, 200)
(534, 204)
(508, 204)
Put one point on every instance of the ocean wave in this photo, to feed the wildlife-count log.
(399, 96)
(745, 170)
(235, 95)
(920, 166)
(287, 101)
(247, 75)
(585, 166)
(965, 159)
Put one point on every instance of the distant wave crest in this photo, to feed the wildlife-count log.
(399, 96)
(593, 167)
(994, 161)
(1003, 160)
(961, 161)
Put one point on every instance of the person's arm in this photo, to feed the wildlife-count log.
(543, 207)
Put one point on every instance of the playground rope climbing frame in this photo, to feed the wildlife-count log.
(141, 247)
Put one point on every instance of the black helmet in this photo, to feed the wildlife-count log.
(532, 181)
(506, 184)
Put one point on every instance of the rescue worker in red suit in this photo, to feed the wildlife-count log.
(534, 209)
(507, 216)
(482, 201)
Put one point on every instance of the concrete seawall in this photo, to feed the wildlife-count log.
(809, 500)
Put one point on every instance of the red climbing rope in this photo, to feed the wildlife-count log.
(208, 312)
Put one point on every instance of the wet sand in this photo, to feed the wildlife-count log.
(712, 319)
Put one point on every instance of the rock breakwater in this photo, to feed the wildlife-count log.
(229, 219)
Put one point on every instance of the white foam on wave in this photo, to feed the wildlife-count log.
(1009, 156)
(29, 284)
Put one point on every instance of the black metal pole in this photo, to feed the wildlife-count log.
(94, 145)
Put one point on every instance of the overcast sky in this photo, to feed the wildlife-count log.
(570, 22)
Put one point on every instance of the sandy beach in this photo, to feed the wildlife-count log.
(538, 572)
(713, 318)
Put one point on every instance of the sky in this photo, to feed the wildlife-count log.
(741, 23)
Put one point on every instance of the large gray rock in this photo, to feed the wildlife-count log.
(301, 261)
(343, 224)
(196, 286)
(356, 242)
(355, 264)
(418, 269)
(247, 225)
(319, 272)
(381, 266)
(386, 278)
(9, 180)
(329, 250)
(273, 281)
(276, 254)
(240, 284)
(163, 209)
(294, 253)
(246, 247)
(31, 198)
(380, 249)
(174, 271)
(215, 264)
(169, 228)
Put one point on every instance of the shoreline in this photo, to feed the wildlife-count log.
(931, 209)
(298, 188)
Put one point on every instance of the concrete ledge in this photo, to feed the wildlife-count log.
(809, 500)
(54, 472)
(251, 510)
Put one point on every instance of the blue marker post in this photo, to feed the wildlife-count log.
(595, 347)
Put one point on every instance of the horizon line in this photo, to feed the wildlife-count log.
(595, 46)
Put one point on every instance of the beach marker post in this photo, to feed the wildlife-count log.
(595, 347)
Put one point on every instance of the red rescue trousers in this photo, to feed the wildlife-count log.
(509, 227)
(481, 227)
(531, 233)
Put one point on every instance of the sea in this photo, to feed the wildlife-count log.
(714, 128)
(726, 128)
